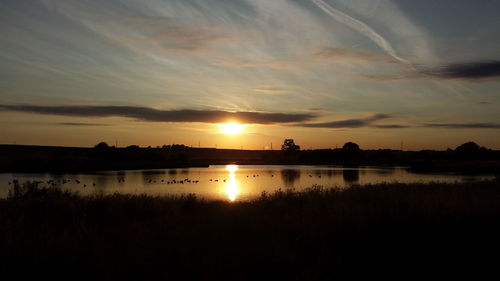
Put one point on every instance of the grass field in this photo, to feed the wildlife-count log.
(390, 231)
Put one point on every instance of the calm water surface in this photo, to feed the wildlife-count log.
(231, 182)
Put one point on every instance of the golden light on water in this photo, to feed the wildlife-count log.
(232, 189)
(231, 128)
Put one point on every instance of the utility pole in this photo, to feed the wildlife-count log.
(271, 145)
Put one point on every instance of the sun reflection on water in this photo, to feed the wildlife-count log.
(232, 189)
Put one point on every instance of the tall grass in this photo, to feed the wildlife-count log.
(392, 231)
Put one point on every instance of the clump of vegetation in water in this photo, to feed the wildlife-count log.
(31, 190)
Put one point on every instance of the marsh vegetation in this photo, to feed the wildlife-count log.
(395, 231)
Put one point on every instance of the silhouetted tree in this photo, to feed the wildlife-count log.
(101, 146)
(179, 147)
(351, 152)
(468, 147)
(470, 150)
(289, 145)
(350, 146)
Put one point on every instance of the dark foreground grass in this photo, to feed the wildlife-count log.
(390, 231)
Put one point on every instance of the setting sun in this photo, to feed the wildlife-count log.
(231, 128)
(231, 168)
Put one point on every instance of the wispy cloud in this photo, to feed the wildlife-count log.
(270, 90)
(82, 124)
(160, 34)
(316, 109)
(351, 54)
(257, 63)
(464, 125)
(157, 115)
(468, 70)
(361, 27)
(394, 77)
(348, 123)
(391, 126)
(369, 123)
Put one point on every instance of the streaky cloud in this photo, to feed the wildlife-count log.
(351, 54)
(348, 123)
(397, 77)
(378, 116)
(272, 63)
(468, 70)
(352, 123)
(361, 27)
(82, 124)
(464, 125)
(269, 90)
(157, 34)
(391, 126)
(157, 115)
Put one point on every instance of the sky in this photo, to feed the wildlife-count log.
(382, 73)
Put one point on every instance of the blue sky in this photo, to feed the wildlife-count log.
(321, 71)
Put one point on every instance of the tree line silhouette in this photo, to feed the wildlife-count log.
(468, 157)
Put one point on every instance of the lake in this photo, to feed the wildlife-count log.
(230, 182)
